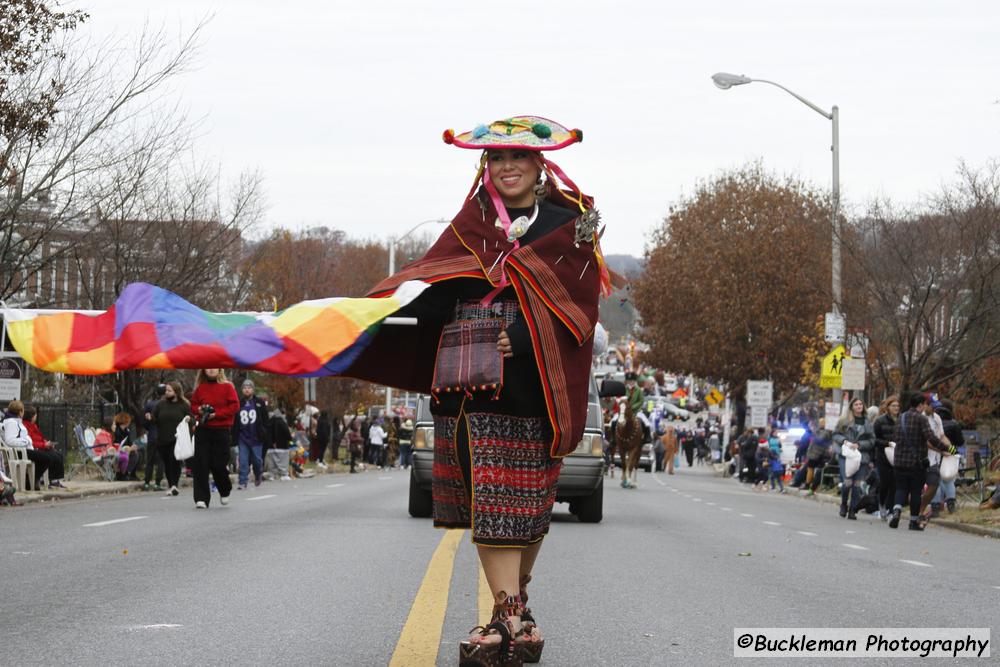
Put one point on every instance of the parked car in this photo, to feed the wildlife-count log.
(581, 478)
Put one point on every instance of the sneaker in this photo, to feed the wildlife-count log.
(950, 504)
(224, 500)
(145, 487)
(810, 493)
(201, 505)
(320, 464)
(241, 487)
(286, 478)
(843, 511)
(257, 481)
(852, 516)
(57, 485)
(915, 525)
(894, 521)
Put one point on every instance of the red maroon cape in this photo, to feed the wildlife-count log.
(558, 287)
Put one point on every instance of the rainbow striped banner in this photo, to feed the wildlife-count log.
(150, 327)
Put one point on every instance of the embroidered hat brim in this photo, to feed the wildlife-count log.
(532, 133)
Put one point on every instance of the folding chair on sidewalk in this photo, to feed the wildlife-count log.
(970, 485)
(18, 467)
(91, 454)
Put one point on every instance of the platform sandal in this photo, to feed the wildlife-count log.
(473, 653)
(528, 644)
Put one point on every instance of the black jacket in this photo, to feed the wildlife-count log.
(281, 435)
(263, 427)
(885, 429)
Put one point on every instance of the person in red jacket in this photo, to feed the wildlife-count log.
(214, 405)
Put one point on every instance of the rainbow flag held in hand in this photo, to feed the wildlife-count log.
(150, 327)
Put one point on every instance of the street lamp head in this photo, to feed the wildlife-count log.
(725, 80)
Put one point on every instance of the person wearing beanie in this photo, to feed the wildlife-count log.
(153, 458)
(250, 432)
(214, 405)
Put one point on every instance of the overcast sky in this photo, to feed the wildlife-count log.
(341, 105)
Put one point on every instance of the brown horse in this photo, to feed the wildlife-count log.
(628, 443)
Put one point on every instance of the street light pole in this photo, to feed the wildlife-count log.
(392, 269)
(725, 81)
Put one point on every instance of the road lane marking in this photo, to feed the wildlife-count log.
(726, 509)
(658, 481)
(997, 587)
(154, 626)
(265, 497)
(108, 523)
(749, 516)
(806, 533)
(849, 532)
(386, 477)
(710, 504)
(420, 639)
(856, 546)
(697, 500)
(771, 523)
(485, 599)
(333, 486)
(915, 562)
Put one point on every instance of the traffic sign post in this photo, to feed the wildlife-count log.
(832, 368)
(852, 374)
(835, 328)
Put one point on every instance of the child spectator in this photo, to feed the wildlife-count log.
(128, 452)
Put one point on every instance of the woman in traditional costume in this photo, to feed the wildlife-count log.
(503, 343)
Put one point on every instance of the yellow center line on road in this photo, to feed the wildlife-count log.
(485, 599)
(421, 637)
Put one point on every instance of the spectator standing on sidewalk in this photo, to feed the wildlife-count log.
(250, 431)
(377, 436)
(42, 452)
(885, 428)
(855, 431)
(214, 405)
(322, 438)
(392, 442)
(308, 420)
(168, 413)
(934, 454)
(281, 441)
(355, 442)
(818, 454)
(406, 444)
(946, 492)
(913, 433)
(153, 459)
(336, 435)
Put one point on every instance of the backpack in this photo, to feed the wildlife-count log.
(868, 503)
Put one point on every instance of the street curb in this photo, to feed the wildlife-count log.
(970, 528)
(118, 489)
(126, 487)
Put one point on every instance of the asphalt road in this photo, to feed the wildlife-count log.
(326, 571)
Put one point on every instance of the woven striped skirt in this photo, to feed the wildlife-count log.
(493, 474)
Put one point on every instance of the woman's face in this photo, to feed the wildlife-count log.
(894, 408)
(857, 407)
(169, 393)
(514, 174)
(212, 373)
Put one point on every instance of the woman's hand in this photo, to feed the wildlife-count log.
(504, 346)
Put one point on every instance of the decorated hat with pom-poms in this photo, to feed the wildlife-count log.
(531, 133)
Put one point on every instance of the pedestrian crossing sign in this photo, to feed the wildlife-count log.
(832, 368)
(714, 396)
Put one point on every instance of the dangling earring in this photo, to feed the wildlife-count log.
(541, 189)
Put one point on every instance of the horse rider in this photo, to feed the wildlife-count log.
(635, 398)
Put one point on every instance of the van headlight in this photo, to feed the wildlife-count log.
(423, 438)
